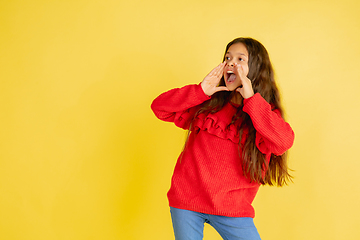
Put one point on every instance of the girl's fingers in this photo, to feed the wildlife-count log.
(239, 69)
(216, 70)
(222, 66)
(219, 69)
(241, 75)
(246, 89)
(210, 82)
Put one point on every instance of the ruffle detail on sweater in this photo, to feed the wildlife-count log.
(214, 126)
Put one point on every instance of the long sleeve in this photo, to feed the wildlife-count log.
(208, 175)
(179, 105)
(273, 134)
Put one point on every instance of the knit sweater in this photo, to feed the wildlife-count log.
(208, 175)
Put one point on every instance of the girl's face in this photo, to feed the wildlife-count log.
(237, 53)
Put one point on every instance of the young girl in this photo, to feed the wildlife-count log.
(237, 141)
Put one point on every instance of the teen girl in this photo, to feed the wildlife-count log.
(237, 141)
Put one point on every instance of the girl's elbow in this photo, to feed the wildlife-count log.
(285, 144)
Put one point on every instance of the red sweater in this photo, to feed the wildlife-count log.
(209, 177)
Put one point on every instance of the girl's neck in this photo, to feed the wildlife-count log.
(236, 98)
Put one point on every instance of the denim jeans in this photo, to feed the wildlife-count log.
(189, 225)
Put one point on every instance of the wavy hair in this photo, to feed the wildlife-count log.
(261, 74)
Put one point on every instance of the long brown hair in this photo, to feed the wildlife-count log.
(261, 74)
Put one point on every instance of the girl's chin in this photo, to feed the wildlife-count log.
(232, 87)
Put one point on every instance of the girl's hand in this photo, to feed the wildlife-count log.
(211, 81)
(246, 90)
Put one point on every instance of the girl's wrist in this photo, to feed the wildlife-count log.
(249, 95)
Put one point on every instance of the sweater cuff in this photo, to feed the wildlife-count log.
(254, 100)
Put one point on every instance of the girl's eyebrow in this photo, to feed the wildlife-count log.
(238, 54)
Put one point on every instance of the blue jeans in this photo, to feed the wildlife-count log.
(189, 225)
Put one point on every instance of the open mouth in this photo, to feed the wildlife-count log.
(230, 76)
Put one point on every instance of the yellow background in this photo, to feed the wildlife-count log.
(83, 157)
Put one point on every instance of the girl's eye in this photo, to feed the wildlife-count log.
(227, 58)
(241, 59)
